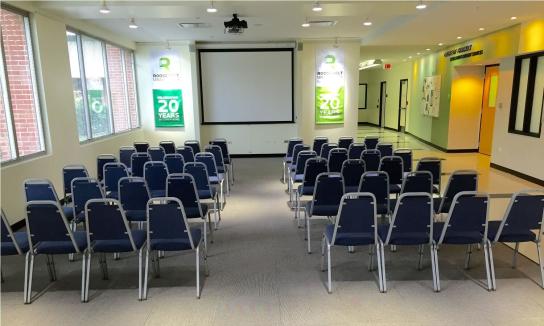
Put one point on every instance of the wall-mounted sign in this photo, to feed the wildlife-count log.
(167, 94)
(462, 52)
(329, 86)
(430, 102)
(387, 66)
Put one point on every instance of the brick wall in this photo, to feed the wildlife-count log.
(4, 140)
(132, 107)
(117, 88)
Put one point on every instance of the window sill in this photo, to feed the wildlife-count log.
(25, 158)
(106, 137)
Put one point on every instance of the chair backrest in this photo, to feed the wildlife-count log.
(468, 213)
(183, 187)
(297, 149)
(156, 153)
(166, 219)
(112, 173)
(460, 180)
(336, 158)
(194, 144)
(326, 148)
(69, 172)
(141, 147)
(318, 143)
(223, 144)
(209, 160)
(125, 154)
(386, 149)
(39, 189)
(84, 189)
(412, 217)
(314, 167)
(200, 174)
(418, 181)
(291, 143)
(217, 154)
(7, 233)
(105, 220)
(187, 153)
(352, 171)
(372, 159)
(301, 159)
(376, 183)
(155, 174)
(357, 214)
(133, 193)
(174, 162)
(371, 142)
(138, 160)
(101, 160)
(328, 191)
(524, 212)
(433, 165)
(355, 150)
(406, 155)
(45, 221)
(393, 166)
(168, 146)
(345, 142)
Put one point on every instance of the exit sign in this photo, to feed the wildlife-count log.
(387, 66)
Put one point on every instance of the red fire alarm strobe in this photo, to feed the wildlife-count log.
(387, 66)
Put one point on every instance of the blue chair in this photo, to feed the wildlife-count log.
(460, 180)
(345, 142)
(141, 147)
(524, 215)
(297, 149)
(228, 161)
(174, 162)
(356, 225)
(314, 166)
(69, 172)
(13, 243)
(326, 148)
(288, 158)
(194, 144)
(219, 162)
(214, 176)
(336, 159)
(137, 163)
(297, 176)
(433, 165)
(43, 189)
(183, 187)
(204, 188)
(83, 190)
(372, 159)
(133, 195)
(411, 224)
(108, 231)
(318, 143)
(50, 234)
(155, 174)
(125, 155)
(168, 146)
(392, 165)
(355, 150)
(386, 149)
(328, 192)
(466, 224)
(352, 171)
(168, 230)
(156, 153)
(371, 142)
(101, 160)
(113, 172)
(406, 155)
(418, 181)
(187, 153)
(377, 183)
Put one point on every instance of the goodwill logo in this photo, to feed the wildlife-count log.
(330, 85)
(166, 68)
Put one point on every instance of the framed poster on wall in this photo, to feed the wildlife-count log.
(329, 86)
(167, 93)
(430, 101)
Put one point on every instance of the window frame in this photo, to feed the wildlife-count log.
(36, 89)
(90, 138)
(529, 97)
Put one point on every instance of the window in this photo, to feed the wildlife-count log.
(527, 95)
(20, 120)
(104, 86)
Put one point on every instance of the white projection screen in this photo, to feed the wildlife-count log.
(246, 86)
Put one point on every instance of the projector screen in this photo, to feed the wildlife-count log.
(243, 86)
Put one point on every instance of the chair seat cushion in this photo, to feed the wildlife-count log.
(157, 193)
(134, 215)
(456, 237)
(120, 245)
(63, 247)
(405, 238)
(8, 248)
(207, 193)
(507, 235)
(297, 177)
(216, 179)
(321, 210)
(305, 190)
(348, 238)
(176, 244)
(193, 212)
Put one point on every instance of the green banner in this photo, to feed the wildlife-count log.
(329, 105)
(168, 107)
(329, 87)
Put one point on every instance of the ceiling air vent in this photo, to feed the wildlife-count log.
(322, 23)
(193, 25)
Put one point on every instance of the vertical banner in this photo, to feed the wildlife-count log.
(329, 86)
(167, 93)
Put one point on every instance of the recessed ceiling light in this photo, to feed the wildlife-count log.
(513, 18)
(305, 25)
(367, 23)
(427, 49)
(211, 9)
(481, 29)
(317, 7)
(104, 8)
(421, 5)
(410, 57)
(418, 53)
(132, 24)
(459, 37)
(440, 44)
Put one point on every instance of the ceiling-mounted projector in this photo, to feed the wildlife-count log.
(235, 26)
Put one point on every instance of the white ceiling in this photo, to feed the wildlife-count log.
(398, 29)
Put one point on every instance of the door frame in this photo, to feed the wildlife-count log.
(482, 106)
(383, 87)
(400, 103)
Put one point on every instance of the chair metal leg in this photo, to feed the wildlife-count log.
(384, 276)
(205, 258)
(491, 264)
(157, 265)
(487, 267)
(379, 262)
(146, 274)
(323, 253)
(25, 285)
(434, 253)
(370, 258)
(420, 259)
(540, 262)
(215, 211)
(49, 269)
(210, 228)
(467, 256)
(351, 249)
(297, 204)
(140, 279)
(30, 274)
(308, 234)
(515, 256)
(283, 178)
(197, 273)
(204, 231)
(87, 278)
(329, 277)
(83, 274)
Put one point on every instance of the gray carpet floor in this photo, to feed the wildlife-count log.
(260, 274)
